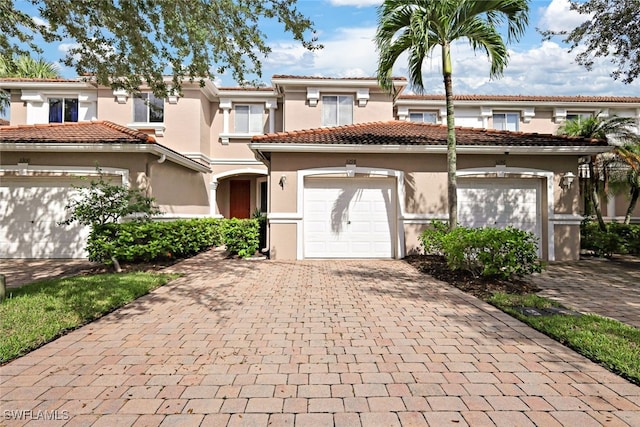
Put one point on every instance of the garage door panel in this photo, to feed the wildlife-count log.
(500, 203)
(353, 219)
(31, 209)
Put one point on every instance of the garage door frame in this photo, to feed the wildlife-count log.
(348, 171)
(43, 171)
(365, 183)
(500, 171)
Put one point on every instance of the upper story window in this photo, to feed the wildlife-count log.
(423, 117)
(63, 110)
(578, 116)
(337, 110)
(147, 108)
(506, 121)
(248, 119)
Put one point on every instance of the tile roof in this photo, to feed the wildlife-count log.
(410, 133)
(285, 76)
(4, 122)
(525, 98)
(38, 80)
(238, 88)
(82, 132)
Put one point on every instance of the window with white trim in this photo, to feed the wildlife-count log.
(63, 110)
(578, 116)
(506, 121)
(337, 110)
(248, 118)
(424, 117)
(147, 108)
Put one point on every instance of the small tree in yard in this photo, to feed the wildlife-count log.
(105, 203)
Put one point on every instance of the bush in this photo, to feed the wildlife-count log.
(242, 236)
(618, 239)
(431, 238)
(496, 252)
(162, 240)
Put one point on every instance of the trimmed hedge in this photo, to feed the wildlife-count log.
(618, 239)
(161, 240)
(486, 251)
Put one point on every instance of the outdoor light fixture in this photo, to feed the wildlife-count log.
(567, 179)
(283, 181)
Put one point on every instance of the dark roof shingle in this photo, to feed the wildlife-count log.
(82, 132)
(410, 133)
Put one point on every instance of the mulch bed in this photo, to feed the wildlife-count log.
(479, 286)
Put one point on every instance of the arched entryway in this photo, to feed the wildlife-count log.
(240, 193)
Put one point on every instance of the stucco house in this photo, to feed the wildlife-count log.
(339, 167)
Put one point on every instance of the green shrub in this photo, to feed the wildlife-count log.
(431, 238)
(496, 252)
(618, 239)
(150, 241)
(241, 236)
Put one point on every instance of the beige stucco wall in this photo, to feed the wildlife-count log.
(567, 242)
(177, 190)
(18, 109)
(299, 115)
(425, 184)
(282, 243)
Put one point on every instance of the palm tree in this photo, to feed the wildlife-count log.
(419, 26)
(614, 130)
(628, 177)
(27, 67)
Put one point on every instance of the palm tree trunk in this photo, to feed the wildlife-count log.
(595, 197)
(635, 194)
(452, 182)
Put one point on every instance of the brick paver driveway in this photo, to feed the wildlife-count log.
(345, 343)
(608, 287)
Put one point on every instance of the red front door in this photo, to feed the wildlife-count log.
(240, 199)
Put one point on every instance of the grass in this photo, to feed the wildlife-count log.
(35, 314)
(613, 344)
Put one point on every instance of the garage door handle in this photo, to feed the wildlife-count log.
(348, 222)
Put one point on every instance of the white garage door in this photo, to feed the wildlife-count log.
(500, 203)
(30, 209)
(349, 218)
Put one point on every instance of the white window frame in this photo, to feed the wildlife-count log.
(64, 99)
(580, 115)
(506, 115)
(254, 121)
(147, 103)
(335, 121)
(423, 115)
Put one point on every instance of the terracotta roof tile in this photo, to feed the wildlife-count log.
(285, 76)
(525, 98)
(410, 133)
(25, 79)
(82, 132)
(238, 88)
(4, 122)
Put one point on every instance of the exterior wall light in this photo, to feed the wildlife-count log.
(567, 179)
(283, 181)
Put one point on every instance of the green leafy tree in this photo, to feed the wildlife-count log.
(420, 26)
(611, 30)
(127, 43)
(604, 166)
(105, 203)
(24, 66)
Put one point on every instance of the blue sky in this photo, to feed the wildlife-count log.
(346, 29)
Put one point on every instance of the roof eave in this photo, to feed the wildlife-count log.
(150, 148)
(261, 148)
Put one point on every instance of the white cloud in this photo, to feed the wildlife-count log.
(66, 47)
(559, 17)
(356, 3)
(39, 21)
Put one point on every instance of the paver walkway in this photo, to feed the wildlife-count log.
(344, 343)
(609, 288)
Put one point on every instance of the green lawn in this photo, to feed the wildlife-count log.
(613, 344)
(37, 313)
